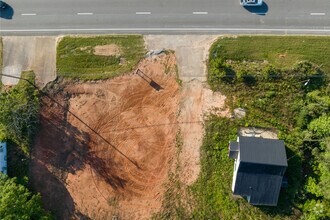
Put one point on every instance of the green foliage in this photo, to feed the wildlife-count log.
(212, 190)
(271, 73)
(16, 202)
(75, 57)
(320, 126)
(19, 112)
(316, 209)
(294, 100)
(219, 71)
(312, 187)
(280, 51)
(324, 168)
(306, 69)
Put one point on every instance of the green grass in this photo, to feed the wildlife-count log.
(212, 191)
(281, 51)
(270, 102)
(75, 58)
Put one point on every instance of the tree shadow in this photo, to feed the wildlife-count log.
(55, 197)
(249, 80)
(106, 170)
(18, 162)
(7, 12)
(61, 148)
(285, 206)
(259, 10)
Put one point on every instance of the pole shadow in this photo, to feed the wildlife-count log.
(259, 10)
(7, 12)
(149, 80)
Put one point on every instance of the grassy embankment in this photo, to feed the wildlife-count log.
(273, 93)
(76, 58)
(262, 75)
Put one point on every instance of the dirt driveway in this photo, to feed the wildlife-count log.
(196, 99)
(29, 53)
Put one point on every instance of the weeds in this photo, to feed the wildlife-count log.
(75, 57)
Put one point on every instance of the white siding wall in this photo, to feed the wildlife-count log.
(236, 165)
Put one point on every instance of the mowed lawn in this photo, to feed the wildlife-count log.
(281, 51)
(76, 58)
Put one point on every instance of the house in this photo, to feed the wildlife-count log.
(259, 167)
(3, 157)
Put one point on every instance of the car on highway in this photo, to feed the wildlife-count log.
(2, 5)
(251, 2)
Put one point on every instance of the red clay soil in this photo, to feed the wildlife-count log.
(119, 168)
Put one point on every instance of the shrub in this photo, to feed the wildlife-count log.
(219, 71)
(269, 72)
(305, 69)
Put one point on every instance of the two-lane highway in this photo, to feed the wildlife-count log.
(165, 16)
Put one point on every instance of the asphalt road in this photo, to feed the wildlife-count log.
(35, 17)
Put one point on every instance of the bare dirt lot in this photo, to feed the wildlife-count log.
(81, 174)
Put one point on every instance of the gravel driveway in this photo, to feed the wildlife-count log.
(196, 98)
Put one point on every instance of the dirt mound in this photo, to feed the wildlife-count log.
(107, 50)
(117, 165)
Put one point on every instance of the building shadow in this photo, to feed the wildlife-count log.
(293, 173)
(7, 13)
(259, 10)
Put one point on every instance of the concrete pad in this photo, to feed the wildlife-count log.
(29, 53)
(191, 52)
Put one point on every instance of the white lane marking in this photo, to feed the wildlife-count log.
(84, 13)
(317, 13)
(169, 29)
(259, 13)
(31, 14)
(143, 12)
(200, 12)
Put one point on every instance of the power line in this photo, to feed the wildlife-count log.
(74, 115)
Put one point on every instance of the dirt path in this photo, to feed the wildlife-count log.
(196, 98)
(29, 53)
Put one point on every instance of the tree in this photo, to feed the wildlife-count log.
(16, 202)
(19, 112)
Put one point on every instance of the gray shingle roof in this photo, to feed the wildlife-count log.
(262, 151)
(262, 189)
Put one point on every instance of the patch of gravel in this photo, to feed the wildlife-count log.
(196, 99)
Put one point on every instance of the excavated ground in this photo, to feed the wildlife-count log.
(110, 154)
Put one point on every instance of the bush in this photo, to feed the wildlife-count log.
(19, 112)
(219, 71)
(16, 202)
(304, 70)
(243, 75)
(270, 73)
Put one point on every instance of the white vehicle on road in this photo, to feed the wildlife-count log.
(251, 2)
